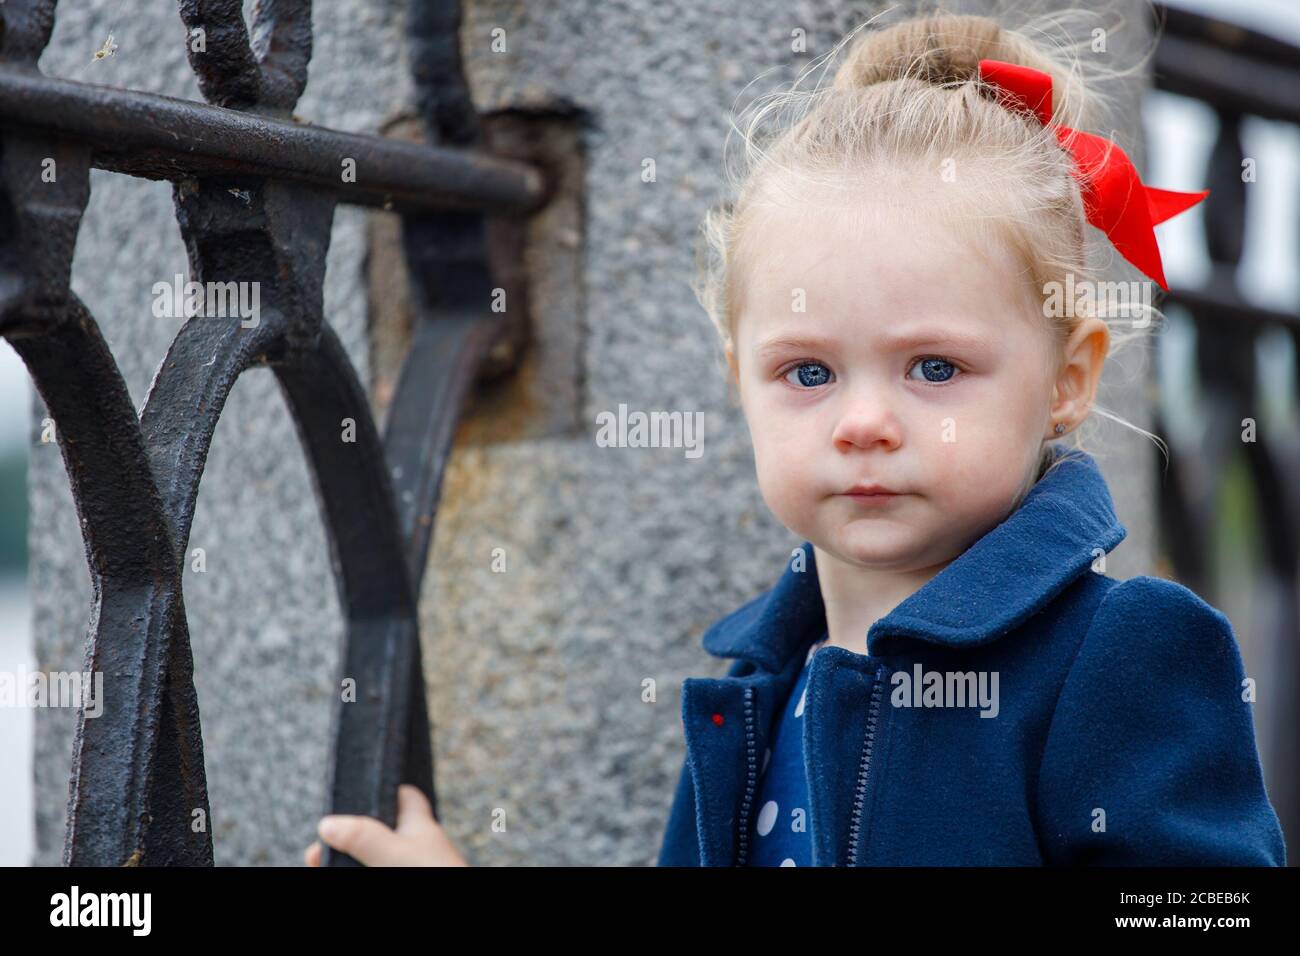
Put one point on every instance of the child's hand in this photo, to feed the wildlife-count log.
(418, 839)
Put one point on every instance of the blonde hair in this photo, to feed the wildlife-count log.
(908, 96)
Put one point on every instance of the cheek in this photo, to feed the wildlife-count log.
(982, 471)
(780, 463)
(992, 443)
(776, 469)
(775, 428)
(1004, 412)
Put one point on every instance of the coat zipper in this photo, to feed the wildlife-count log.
(859, 796)
(751, 777)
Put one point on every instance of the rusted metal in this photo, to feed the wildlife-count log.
(255, 195)
(231, 73)
(157, 137)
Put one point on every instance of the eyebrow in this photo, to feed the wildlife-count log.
(903, 339)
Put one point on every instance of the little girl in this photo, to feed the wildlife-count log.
(943, 674)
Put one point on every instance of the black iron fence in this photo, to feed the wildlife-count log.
(1238, 73)
(255, 191)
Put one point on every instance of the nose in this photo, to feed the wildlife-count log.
(866, 421)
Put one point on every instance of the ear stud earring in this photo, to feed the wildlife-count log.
(1060, 428)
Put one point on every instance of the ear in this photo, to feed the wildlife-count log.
(1076, 384)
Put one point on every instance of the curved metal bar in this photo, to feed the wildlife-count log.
(138, 775)
(270, 74)
(224, 63)
(382, 738)
(379, 738)
(192, 384)
(184, 403)
(277, 236)
(140, 759)
(25, 27)
(39, 222)
(282, 29)
(442, 95)
(436, 377)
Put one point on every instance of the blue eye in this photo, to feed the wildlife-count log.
(935, 369)
(810, 379)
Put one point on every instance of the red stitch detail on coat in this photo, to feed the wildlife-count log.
(717, 719)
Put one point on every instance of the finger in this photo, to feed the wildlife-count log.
(415, 819)
(366, 839)
(311, 856)
(414, 811)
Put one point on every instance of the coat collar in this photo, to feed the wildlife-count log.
(1001, 580)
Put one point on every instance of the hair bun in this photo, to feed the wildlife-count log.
(946, 49)
(936, 49)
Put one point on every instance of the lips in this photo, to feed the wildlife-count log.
(871, 491)
(873, 496)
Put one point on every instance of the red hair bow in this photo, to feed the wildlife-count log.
(1107, 176)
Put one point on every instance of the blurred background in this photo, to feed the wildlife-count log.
(1225, 514)
(16, 826)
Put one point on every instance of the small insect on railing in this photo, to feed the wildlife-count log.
(255, 193)
(1238, 73)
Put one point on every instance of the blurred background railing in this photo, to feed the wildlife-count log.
(1229, 499)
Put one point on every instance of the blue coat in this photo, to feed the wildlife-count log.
(1121, 736)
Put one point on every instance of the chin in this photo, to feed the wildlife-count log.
(865, 546)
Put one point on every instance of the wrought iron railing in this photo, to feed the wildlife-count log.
(255, 192)
(1237, 73)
